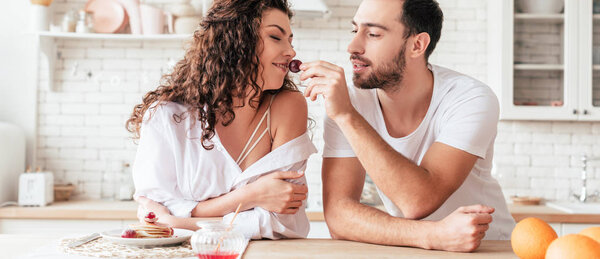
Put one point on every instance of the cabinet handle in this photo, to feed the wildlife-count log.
(585, 112)
(575, 111)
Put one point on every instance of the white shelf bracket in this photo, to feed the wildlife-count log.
(47, 47)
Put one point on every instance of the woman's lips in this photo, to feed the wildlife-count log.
(282, 66)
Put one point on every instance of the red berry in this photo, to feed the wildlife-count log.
(128, 233)
(295, 66)
(151, 215)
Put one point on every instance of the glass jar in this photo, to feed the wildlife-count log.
(69, 22)
(81, 26)
(215, 240)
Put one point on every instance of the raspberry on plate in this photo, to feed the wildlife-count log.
(129, 233)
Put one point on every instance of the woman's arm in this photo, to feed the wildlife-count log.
(162, 213)
(226, 203)
(272, 192)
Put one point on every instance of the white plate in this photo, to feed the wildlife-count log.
(179, 236)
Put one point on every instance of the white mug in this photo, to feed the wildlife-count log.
(153, 19)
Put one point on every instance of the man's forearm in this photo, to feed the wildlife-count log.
(351, 220)
(399, 178)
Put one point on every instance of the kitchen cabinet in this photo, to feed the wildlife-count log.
(570, 228)
(318, 229)
(541, 66)
(557, 227)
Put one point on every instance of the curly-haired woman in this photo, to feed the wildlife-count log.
(227, 126)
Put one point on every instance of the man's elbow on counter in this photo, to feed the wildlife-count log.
(416, 212)
(336, 234)
(334, 223)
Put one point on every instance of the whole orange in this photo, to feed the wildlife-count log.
(573, 246)
(592, 232)
(531, 237)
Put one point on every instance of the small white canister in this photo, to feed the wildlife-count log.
(40, 17)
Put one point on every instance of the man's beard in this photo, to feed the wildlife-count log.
(385, 77)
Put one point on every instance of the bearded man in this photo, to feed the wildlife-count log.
(424, 134)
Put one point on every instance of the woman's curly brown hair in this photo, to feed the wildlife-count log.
(220, 64)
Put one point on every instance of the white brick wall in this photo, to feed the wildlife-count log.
(547, 162)
(81, 126)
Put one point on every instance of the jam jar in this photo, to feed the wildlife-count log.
(217, 240)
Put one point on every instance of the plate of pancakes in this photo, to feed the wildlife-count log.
(148, 233)
(179, 236)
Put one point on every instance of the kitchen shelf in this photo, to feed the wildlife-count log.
(47, 45)
(112, 36)
(596, 16)
(551, 18)
(596, 67)
(542, 67)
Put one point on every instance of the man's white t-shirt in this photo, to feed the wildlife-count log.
(463, 113)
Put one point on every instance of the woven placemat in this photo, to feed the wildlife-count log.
(102, 248)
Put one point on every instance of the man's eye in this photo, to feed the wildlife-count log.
(374, 35)
(275, 38)
(353, 31)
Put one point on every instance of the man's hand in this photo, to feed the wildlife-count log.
(147, 205)
(328, 80)
(273, 193)
(462, 230)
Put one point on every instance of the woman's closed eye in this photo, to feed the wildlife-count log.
(275, 38)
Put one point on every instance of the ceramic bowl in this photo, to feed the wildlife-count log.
(541, 6)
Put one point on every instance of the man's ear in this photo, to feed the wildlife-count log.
(420, 44)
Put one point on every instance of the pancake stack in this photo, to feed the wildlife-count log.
(152, 230)
(149, 229)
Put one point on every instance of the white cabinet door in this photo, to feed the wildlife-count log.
(318, 229)
(541, 65)
(572, 228)
(533, 61)
(557, 227)
(589, 62)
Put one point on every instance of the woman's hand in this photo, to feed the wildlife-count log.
(147, 205)
(273, 193)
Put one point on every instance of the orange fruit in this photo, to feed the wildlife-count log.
(592, 232)
(573, 246)
(531, 237)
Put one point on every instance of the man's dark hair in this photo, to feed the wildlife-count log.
(423, 16)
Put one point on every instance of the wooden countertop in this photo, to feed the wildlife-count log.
(550, 215)
(74, 209)
(327, 248)
(126, 210)
(40, 246)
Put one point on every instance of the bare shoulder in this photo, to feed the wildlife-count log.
(289, 116)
